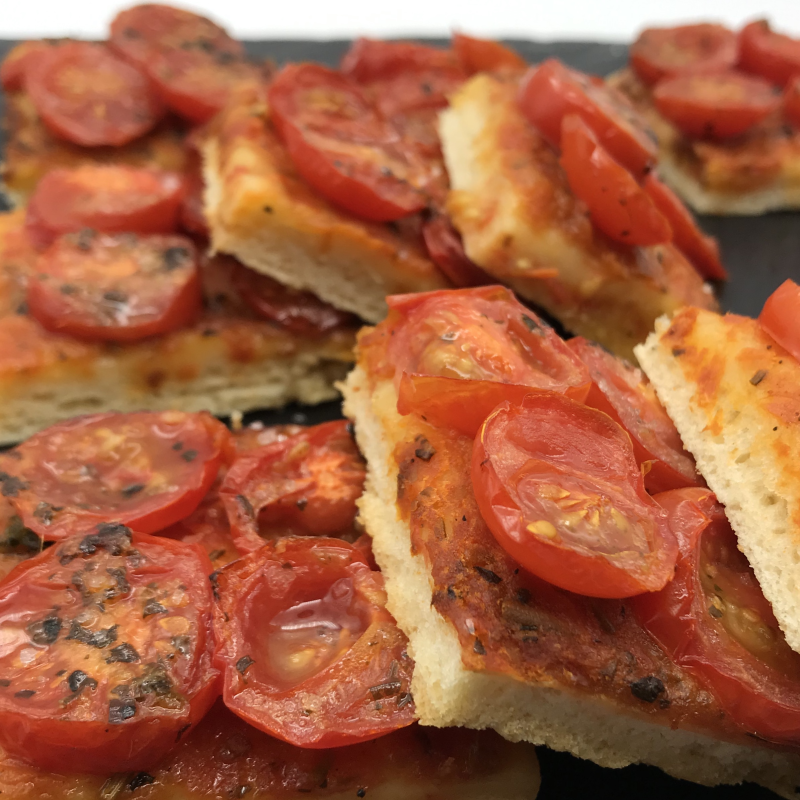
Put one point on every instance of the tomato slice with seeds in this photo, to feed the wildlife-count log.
(714, 621)
(104, 197)
(306, 484)
(622, 391)
(458, 353)
(618, 206)
(791, 102)
(144, 469)
(308, 652)
(300, 313)
(551, 91)
(116, 287)
(107, 651)
(340, 146)
(485, 55)
(446, 250)
(666, 52)
(559, 487)
(717, 106)
(18, 59)
(780, 317)
(89, 96)
(771, 55)
(700, 249)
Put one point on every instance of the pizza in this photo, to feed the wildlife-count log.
(546, 540)
(197, 616)
(725, 106)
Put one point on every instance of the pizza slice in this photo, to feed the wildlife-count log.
(729, 141)
(547, 543)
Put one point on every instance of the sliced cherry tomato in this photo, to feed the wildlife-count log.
(485, 55)
(619, 207)
(300, 313)
(107, 648)
(307, 649)
(780, 317)
(145, 469)
(717, 106)
(116, 287)
(340, 146)
(791, 102)
(307, 484)
(370, 60)
(771, 55)
(559, 487)
(552, 90)
(458, 353)
(104, 197)
(700, 249)
(256, 434)
(446, 250)
(623, 392)
(666, 52)
(15, 64)
(714, 622)
(89, 96)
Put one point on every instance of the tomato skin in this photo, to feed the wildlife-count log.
(370, 60)
(485, 55)
(106, 198)
(780, 315)
(548, 467)
(87, 483)
(70, 727)
(791, 102)
(771, 55)
(305, 484)
(63, 86)
(717, 106)
(619, 207)
(762, 698)
(621, 391)
(551, 91)
(340, 146)
(446, 250)
(700, 249)
(116, 287)
(300, 313)
(262, 682)
(660, 53)
(15, 64)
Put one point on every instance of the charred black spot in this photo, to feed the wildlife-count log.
(122, 654)
(10, 485)
(175, 257)
(350, 428)
(45, 631)
(488, 575)
(243, 664)
(189, 455)
(154, 680)
(302, 503)
(114, 296)
(214, 578)
(361, 792)
(130, 491)
(113, 537)
(478, 647)
(153, 607)
(44, 513)
(677, 352)
(531, 324)
(451, 592)
(5, 683)
(25, 694)
(648, 688)
(121, 710)
(140, 779)
(524, 596)
(120, 576)
(79, 680)
(246, 506)
(425, 451)
(177, 446)
(100, 639)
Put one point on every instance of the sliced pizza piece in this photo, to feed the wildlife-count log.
(520, 221)
(598, 677)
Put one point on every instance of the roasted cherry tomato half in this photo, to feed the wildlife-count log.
(89, 96)
(771, 55)
(144, 469)
(624, 393)
(618, 205)
(666, 52)
(339, 144)
(446, 250)
(370, 60)
(458, 353)
(300, 313)
(306, 484)
(307, 649)
(700, 249)
(485, 55)
(559, 487)
(791, 102)
(716, 106)
(116, 287)
(780, 317)
(15, 64)
(552, 90)
(107, 656)
(109, 198)
(714, 621)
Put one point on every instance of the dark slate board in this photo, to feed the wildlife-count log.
(760, 253)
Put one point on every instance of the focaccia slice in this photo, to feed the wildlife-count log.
(261, 211)
(732, 392)
(521, 223)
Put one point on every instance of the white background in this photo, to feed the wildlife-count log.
(606, 20)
